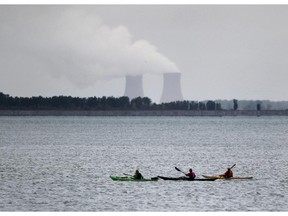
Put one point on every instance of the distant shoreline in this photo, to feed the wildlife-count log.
(143, 113)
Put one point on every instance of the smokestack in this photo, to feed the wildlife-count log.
(134, 86)
(171, 88)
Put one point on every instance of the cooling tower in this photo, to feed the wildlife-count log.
(171, 88)
(134, 86)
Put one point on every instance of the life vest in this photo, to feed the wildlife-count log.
(228, 174)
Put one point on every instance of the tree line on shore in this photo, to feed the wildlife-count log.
(98, 103)
(8, 102)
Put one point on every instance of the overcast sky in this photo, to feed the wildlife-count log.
(222, 52)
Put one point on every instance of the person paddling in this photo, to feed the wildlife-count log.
(137, 175)
(191, 174)
(228, 173)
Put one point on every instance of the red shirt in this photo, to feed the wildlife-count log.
(191, 175)
(228, 174)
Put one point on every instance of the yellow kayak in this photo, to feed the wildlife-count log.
(222, 177)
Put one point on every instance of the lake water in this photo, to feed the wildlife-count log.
(64, 163)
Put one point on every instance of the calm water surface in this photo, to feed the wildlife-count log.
(64, 163)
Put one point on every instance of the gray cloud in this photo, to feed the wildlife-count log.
(76, 45)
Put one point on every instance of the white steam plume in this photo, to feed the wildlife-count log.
(78, 46)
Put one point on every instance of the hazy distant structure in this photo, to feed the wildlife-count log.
(171, 88)
(134, 86)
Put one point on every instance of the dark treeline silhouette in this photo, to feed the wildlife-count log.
(98, 103)
(8, 102)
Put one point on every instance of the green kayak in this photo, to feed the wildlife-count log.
(117, 178)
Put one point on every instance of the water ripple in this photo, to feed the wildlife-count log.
(64, 163)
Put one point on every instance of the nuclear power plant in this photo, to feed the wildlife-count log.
(171, 88)
(134, 86)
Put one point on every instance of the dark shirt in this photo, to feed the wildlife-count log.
(138, 176)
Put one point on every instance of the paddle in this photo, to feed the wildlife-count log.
(180, 170)
(127, 174)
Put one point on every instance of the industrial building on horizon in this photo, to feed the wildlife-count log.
(134, 86)
(171, 87)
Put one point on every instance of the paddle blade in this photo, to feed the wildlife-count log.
(178, 169)
(233, 166)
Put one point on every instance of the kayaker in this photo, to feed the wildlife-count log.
(228, 173)
(191, 174)
(137, 175)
